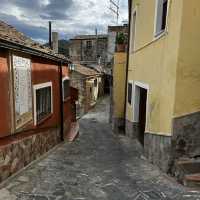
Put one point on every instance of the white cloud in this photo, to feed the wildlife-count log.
(70, 17)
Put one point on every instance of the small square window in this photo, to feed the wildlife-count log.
(130, 93)
(161, 16)
(42, 101)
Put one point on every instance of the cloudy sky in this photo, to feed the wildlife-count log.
(69, 17)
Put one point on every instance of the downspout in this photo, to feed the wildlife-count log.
(127, 62)
(61, 103)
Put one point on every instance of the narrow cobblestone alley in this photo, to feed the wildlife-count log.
(97, 166)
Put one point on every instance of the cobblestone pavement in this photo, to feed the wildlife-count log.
(97, 166)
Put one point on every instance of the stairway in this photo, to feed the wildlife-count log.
(188, 172)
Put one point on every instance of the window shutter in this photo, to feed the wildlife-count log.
(159, 16)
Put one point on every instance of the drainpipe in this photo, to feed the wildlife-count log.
(127, 63)
(61, 103)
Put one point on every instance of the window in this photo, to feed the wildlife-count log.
(133, 31)
(43, 104)
(95, 83)
(66, 88)
(130, 93)
(22, 90)
(161, 16)
(89, 44)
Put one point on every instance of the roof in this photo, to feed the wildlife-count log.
(123, 28)
(89, 37)
(85, 70)
(8, 34)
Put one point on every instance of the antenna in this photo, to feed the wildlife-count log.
(114, 7)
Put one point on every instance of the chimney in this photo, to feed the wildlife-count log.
(96, 31)
(55, 41)
(50, 42)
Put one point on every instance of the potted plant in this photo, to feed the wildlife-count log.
(121, 42)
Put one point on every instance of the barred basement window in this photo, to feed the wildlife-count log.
(66, 88)
(43, 105)
(130, 93)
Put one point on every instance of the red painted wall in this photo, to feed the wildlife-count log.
(5, 113)
(43, 70)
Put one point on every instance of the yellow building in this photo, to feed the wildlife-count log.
(163, 98)
(118, 92)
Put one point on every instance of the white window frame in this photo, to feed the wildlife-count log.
(162, 32)
(130, 82)
(35, 88)
(136, 101)
(133, 39)
(63, 80)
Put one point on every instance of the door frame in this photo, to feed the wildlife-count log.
(136, 101)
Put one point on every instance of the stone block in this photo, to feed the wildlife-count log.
(158, 150)
(14, 157)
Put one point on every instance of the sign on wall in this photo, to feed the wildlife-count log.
(22, 90)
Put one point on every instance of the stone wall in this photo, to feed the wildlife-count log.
(118, 125)
(20, 152)
(186, 136)
(78, 81)
(132, 129)
(157, 149)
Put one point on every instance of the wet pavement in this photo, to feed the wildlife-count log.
(97, 166)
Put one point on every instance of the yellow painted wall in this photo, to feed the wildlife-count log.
(154, 62)
(188, 72)
(119, 77)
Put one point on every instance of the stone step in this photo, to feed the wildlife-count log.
(73, 133)
(189, 166)
(188, 172)
(192, 180)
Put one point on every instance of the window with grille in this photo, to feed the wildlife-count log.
(42, 101)
(129, 93)
(161, 16)
(66, 88)
(89, 44)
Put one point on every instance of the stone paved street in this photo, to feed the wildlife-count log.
(97, 166)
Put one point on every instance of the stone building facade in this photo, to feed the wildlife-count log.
(89, 84)
(89, 50)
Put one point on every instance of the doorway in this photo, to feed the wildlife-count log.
(140, 108)
(142, 114)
